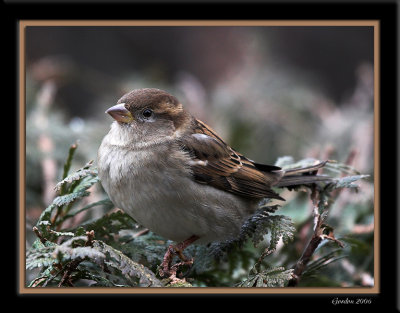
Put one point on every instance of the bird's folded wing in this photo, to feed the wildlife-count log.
(214, 163)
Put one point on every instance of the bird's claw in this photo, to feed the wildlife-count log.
(170, 272)
(166, 270)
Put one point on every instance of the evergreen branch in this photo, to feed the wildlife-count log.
(39, 235)
(67, 165)
(68, 200)
(68, 185)
(320, 211)
(270, 277)
(109, 224)
(106, 202)
(46, 215)
(128, 268)
(110, 261)
(71, 266)
(317, 237)
(77, 176)
(266, 253)
(84, 178)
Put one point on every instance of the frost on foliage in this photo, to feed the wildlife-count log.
(77, 176)
(79, 256)
(110, 258)
(41, 257)
(262, 222)
(71, 189)
(271, 277)
(137, 273)
(111, 263)
(66, 199)
(109, 224)
(346, 182)
(72, 249)
(63, 261)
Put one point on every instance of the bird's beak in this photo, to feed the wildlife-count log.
(120, 113)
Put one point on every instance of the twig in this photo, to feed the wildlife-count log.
(39, 235)
(63, 190)
(89, 241)
(70, 267)
(141, 233)
(301, 264)
(317, 237)
(67, 164)
(59, 268)
(266, 253)
(313, 244)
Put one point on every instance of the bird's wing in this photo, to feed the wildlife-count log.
(214, 163)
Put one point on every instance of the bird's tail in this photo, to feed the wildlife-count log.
(303, 176)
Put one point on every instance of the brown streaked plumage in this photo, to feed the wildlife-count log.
(226, 169)
(174, 175)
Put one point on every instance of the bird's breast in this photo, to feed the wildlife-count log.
(157, 189)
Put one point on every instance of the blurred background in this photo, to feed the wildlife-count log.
(268, 91)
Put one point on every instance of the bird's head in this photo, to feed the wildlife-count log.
(149, 114)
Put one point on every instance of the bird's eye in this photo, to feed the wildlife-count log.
(147, 113)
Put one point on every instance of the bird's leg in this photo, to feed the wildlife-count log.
(176, 250)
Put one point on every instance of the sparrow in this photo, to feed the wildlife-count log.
(175, 176)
